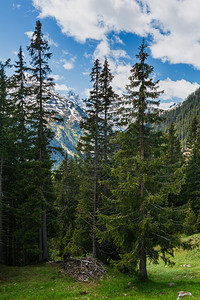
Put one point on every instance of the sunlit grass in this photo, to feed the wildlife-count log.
(46, 281)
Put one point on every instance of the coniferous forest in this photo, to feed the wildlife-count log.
(126, 196)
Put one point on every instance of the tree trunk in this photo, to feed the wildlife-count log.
(40, 239)
(1, 212)
(94, 251)
(13, 251)
(143, 259)
(44, 231)
(24, 256)
(40, 245)
(105, 136)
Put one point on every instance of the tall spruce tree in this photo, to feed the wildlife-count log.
(96, 148)
(24, 244)
(142, 102)
(175, 160)
(42, 86)
(5, 141)
(67, 180)
(191, 190)
(20, 92)
(173, 146)
(139, 218)
(90, 142)
(109, 100)
(193, 134)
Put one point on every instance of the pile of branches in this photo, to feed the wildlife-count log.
(83, 269)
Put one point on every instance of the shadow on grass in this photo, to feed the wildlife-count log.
(162, 289)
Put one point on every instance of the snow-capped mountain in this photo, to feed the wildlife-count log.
(168, 106)
(174, 105)
(66, 106)
(71, 95)
(67, 132)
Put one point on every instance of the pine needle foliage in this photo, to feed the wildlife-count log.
(140, 221)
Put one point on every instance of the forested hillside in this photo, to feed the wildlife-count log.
(182, 117)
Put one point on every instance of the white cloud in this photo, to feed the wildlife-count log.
(121, 75)
(91, 19)
(56, 77)
(117, 40)
(65, 52)
(177, 37)
(86, 93)
(29, 34)
(16, 5)
(102, 50)
(119, 54)
(69, 64)
(174, 25)
(87, 55)
(120, 70)
(61, 87)
(177, 89)
(49, 40)
(86, 73)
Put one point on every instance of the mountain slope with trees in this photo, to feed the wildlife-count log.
(182, 117)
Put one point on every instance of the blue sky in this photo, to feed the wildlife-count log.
(79, 31)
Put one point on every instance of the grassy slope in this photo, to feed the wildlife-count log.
(48, 282)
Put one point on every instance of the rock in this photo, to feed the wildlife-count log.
(129, 284)
(171, 284)
(186, 265)
(182, 294)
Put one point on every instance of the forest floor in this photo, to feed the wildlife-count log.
(49, 281)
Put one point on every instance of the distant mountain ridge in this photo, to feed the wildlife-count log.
(182, 115)
(70, 109)
(66, 105)
(67, 132)
(174, 105)
(71, 95)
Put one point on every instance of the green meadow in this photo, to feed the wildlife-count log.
(48, 281)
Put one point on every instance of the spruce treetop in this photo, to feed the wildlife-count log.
(140, 102)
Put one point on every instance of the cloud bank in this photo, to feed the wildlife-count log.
(174, 25)
(177, 89)
(174, 28)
